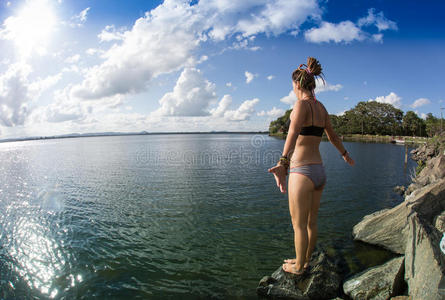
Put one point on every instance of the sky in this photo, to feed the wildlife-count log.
(89, 66)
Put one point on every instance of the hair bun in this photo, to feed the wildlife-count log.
(314, 65)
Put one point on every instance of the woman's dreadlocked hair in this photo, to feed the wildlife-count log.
(306, 77)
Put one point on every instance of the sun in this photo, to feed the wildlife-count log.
(32, 27)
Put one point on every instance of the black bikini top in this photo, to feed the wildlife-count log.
(312, 130)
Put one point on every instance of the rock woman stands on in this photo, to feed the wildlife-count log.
(302, 160)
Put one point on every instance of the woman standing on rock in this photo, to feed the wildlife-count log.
(308, 120)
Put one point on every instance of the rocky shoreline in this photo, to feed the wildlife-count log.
(412, 230)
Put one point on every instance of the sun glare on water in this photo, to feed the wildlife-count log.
(32, 27)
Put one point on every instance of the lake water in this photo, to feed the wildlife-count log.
(171, 216)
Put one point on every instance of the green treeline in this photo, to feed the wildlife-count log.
(374, 118)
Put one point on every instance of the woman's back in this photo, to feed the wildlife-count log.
(306, 147)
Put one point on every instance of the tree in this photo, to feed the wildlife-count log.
(338, 123)
(371, 117)
(432, 125)
(281, 124)
(412, 124)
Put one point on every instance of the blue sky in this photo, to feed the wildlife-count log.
(92, 66)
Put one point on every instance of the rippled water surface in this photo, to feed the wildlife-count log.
(170, 216)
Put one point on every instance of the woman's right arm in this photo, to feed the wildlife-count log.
(336, 141)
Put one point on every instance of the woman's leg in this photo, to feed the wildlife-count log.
(300, 193)
(312, 229)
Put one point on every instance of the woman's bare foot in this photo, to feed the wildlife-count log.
(290, 268)
(294, 260)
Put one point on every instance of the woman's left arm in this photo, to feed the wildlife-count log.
(297, 118)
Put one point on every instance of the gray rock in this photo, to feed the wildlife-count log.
(429, 201)
(381, 282)
(433, 171)
(424, 262)
(322, 282)
(430, 152)
(400, 189)
(419, 153)
(388, 228)
(439, 222)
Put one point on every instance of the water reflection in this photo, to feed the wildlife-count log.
(31, 249)
(98, 217)
(51, 199)
(37, 256)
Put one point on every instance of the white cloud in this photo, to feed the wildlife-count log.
(420, 102)
(270, 77)
(423, 116)
(274, 112)
(377, 20)
(348, 31)
(289, 99)
(62, 109)
(72, 68)
(345, 31)
(80, 19)
(229, 84)
(5, 61)
(72, 59)
(17, 92)
(39, 85)
(251, 17)
(14, 95)
(109, 33)
(321, 87)
(93, 51)
(66, 108)
(244, 43)
(61, 112)
(249, 76)
(391, 98)
(243, 112)
(160, 42)
(83, 15)
(165, 39)
(222, 106)
(340, 113)
(191, 96)
(377, 38)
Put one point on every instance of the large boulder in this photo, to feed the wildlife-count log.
(381, 282)
(434, 170)
(427, 151)
(388, 228)
(424, 262)
(322, 282)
